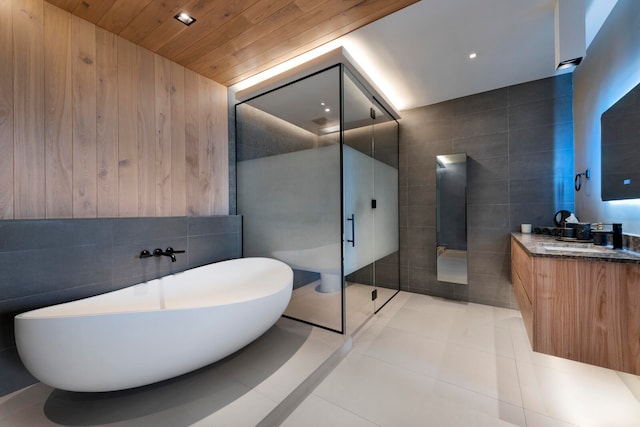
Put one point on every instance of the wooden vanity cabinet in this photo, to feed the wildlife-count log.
(580, 309)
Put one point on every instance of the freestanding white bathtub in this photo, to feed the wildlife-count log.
(154, 330)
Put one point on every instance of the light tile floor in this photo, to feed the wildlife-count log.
(325, 308)
(424, 361)
(240, 390)
(421, 361)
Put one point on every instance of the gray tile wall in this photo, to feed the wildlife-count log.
(519, 141)
(46, 262)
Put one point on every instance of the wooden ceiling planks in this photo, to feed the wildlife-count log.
(232, 39)
(92, 10)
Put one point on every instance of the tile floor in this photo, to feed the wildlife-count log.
(325, 308)
(421, 361)
(241, 390)
(424, 361)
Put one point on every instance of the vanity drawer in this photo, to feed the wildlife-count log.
(525, 304)
(522, 264)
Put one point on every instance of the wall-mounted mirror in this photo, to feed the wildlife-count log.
(619, 148)
(451, 218)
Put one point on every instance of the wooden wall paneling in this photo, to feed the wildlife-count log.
(107, 122)
(58, 112)
(127, 128)
(206, 146)
(556, 307)
(178, 188)
(146, 133)
(121, 13)
(630, 307)
(28, 109)
(192, 141)
(220, 150)
(92, 10)
(85, 186)
(163, 135)
(6, 109)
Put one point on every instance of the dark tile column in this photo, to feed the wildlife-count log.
(519, 142)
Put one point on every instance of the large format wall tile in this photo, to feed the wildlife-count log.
(519, 142)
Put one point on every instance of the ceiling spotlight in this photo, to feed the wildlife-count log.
(185, 18)
(323, 104)
(327, 110)
(569, 63)
(473, 55)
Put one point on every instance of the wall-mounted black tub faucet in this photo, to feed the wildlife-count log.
(160, 252)
(170, 252)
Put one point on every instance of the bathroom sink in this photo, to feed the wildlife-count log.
(582, 249)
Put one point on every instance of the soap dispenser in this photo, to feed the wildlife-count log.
(617, 236)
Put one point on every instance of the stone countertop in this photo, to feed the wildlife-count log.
(540, 245)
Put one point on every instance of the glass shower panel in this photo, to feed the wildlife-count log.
(386, 223)
(358, 182)
(289, 190)
(370, 170)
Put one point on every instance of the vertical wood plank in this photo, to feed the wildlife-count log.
(28, 103)
(107, 122)
(146, 134)
(127, 129)
(83, 41)
(178, 188)
(192, 128)
(6, 110)
(221, 150)
(163, 135)
(58, 112)
(206, 146)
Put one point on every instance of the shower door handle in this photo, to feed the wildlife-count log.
(353, 230)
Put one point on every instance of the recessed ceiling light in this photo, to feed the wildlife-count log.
(327, 109)
(323, 104)
(473, 55)
(185, 18)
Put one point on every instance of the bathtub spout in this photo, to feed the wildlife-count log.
(160, 252)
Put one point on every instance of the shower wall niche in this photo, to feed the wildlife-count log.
(317, 186)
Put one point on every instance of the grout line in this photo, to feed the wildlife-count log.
(297, 396)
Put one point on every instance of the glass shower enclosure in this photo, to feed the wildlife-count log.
(317, 187)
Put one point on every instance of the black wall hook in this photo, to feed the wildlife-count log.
(577, 183)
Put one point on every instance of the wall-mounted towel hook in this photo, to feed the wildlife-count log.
(577, 183)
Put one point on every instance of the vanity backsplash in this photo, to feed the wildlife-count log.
(631, 242)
